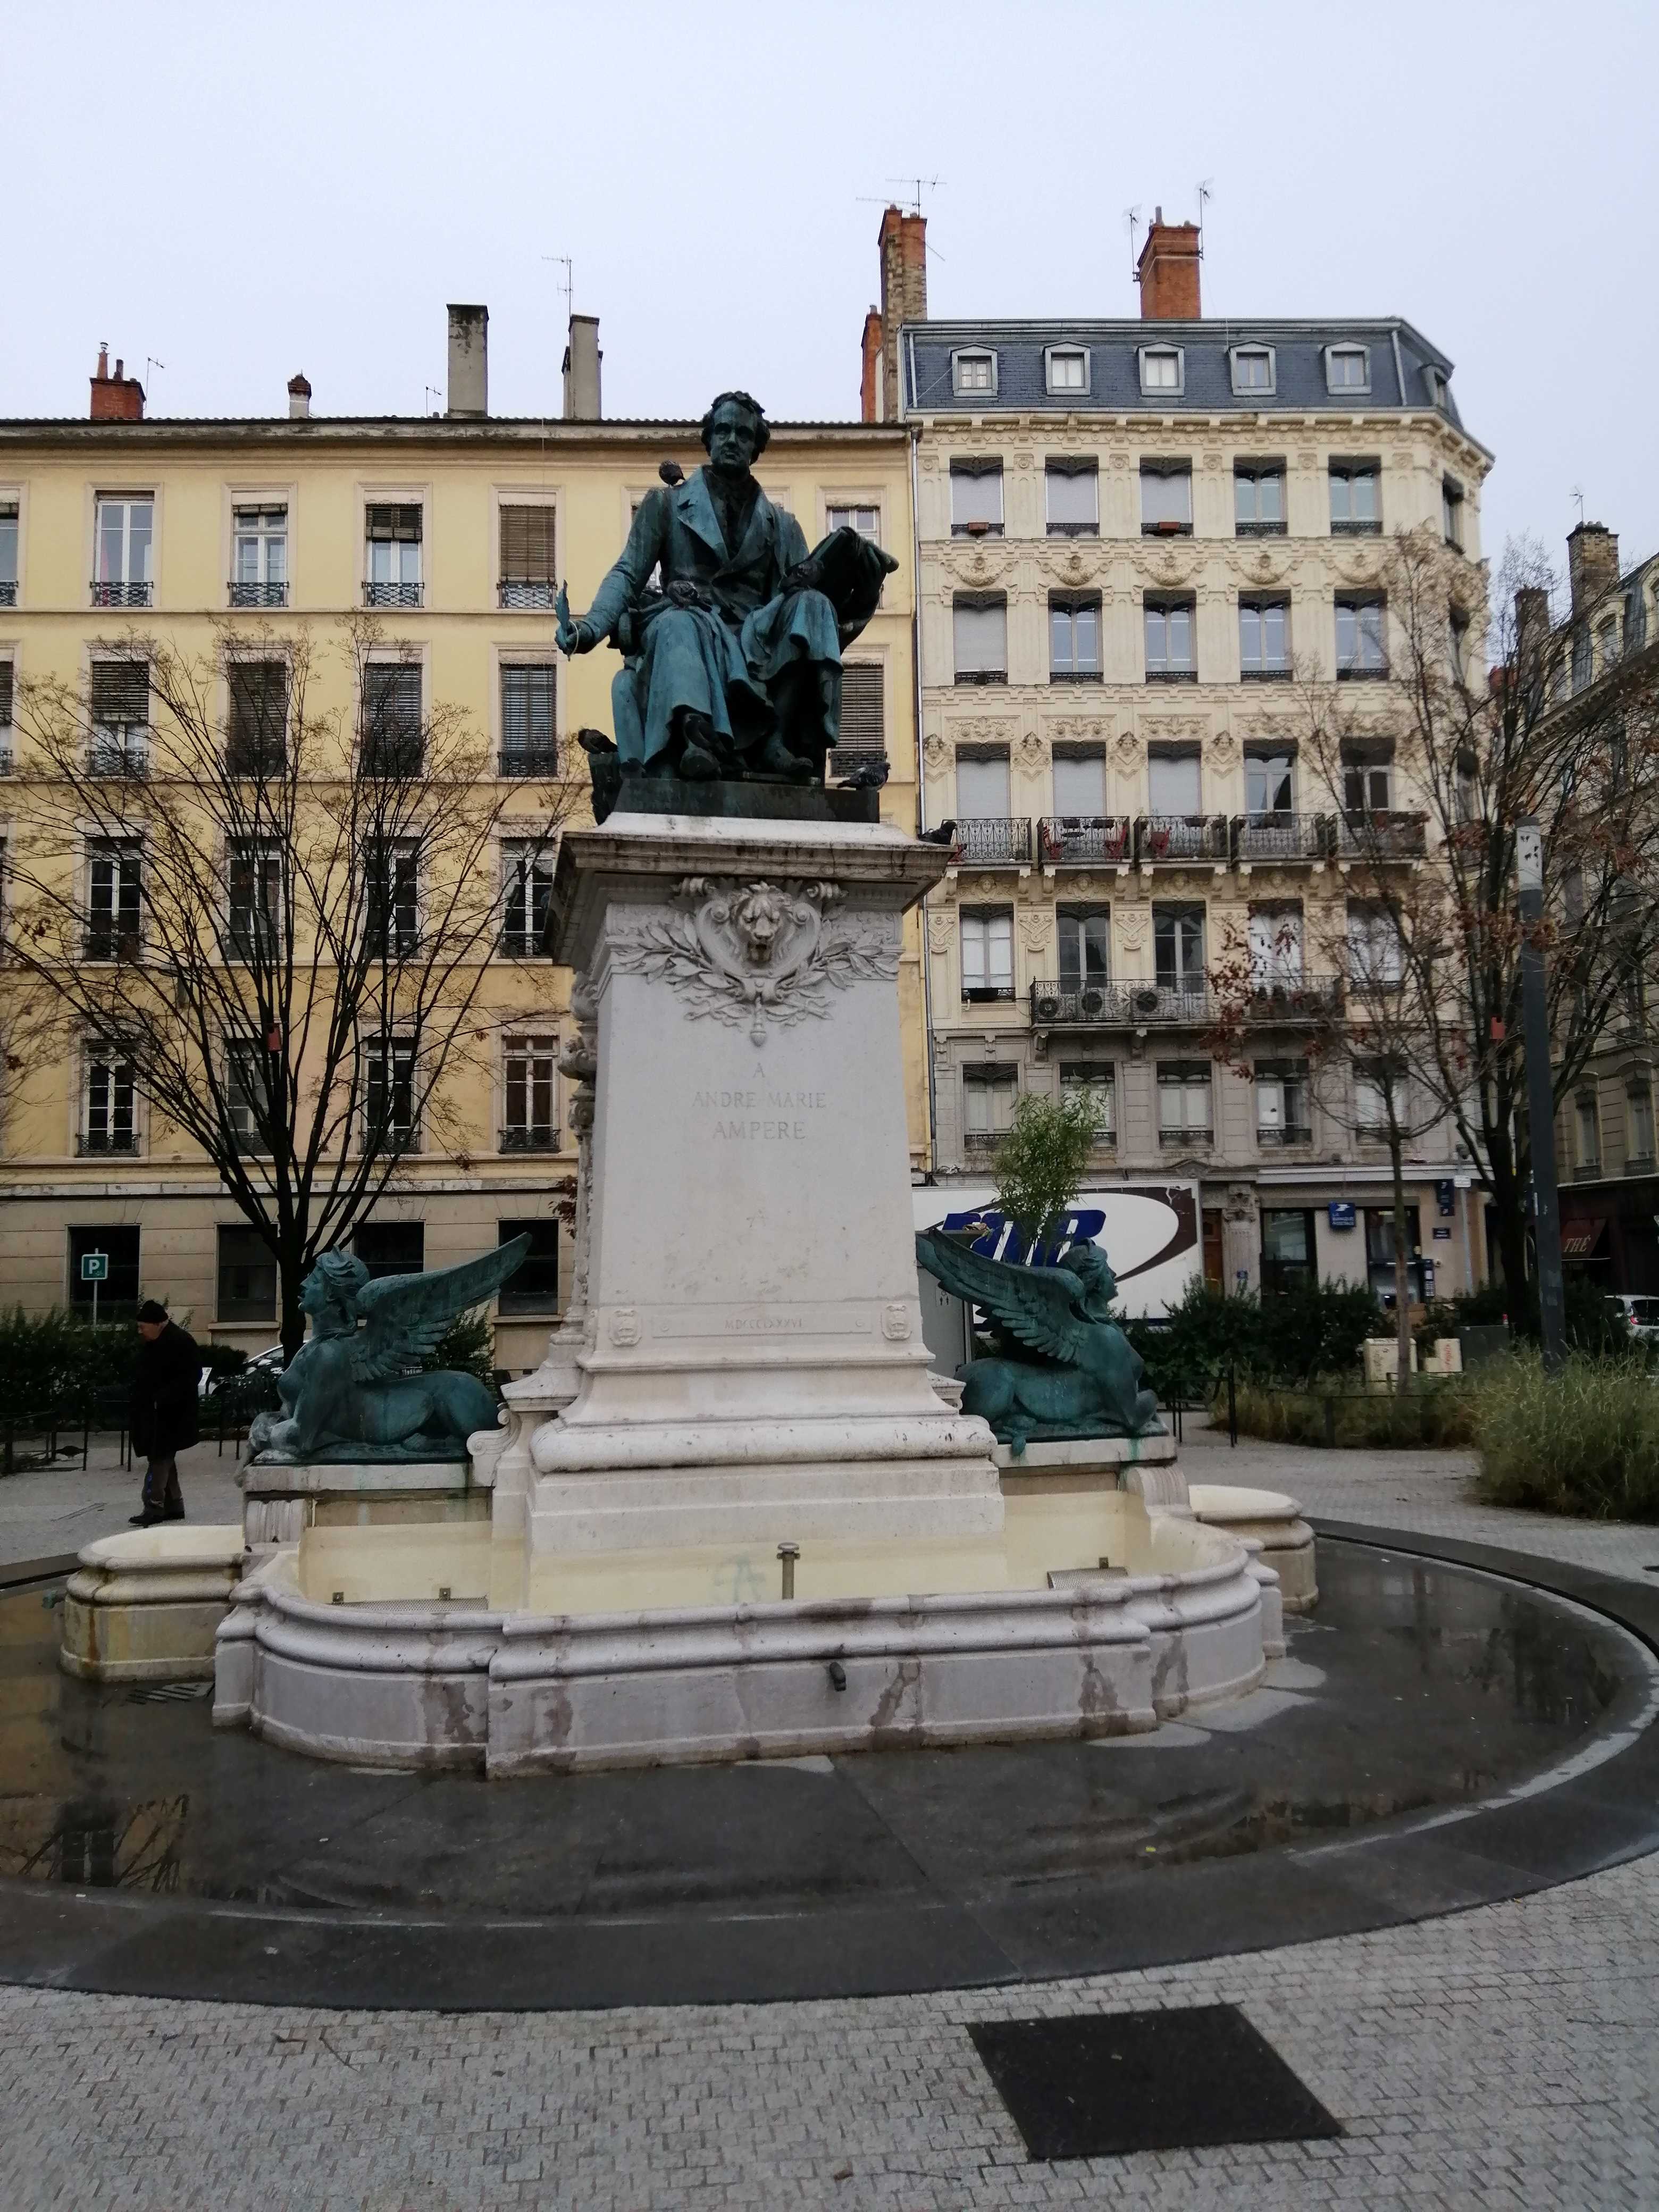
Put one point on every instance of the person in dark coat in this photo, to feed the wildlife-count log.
(165, 1410)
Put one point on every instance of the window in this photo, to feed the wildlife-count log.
(529, 573)
(392, 718)
(1275, 945)
(1162, 369)
(1074, 499)
(530, 1093)
(1252, 367)
(983, 786)
(122, 544)
(392, 552)
(1434, 383)
(1367, 779)
(1269, 782)
(987, 955)
(1183, 1102)
(1288, 1252)
(989, 1097)
(1451, 511)
(108, 1105)
(247, 1276)
(1356, 504)
(526, 899)
(1374, 946)
(1347, 368)
(256, 899)
(112, 899)
(118, 1293)
(1636, 618)
(1098, 1082)
(391, 1247)
(866, 520)
(529, 742)
(1361, 646)
(1178, 947)
(1264, 639)
(1587, 1130)
(1281, 1103)
(1169, 642)
(389, 1107)
(1638, 1125)
(975, 499)
(1079, 784)
(1173, 782)
(1379, 1254)
(1259, 498)
(1073, 639)
(259, 556)
(980, 639)
(392, 897)
(5, 717)
(246, 1095)
(1582, 659)
(973, 372)
(1457, 650)
(863, 717)
(1607, 642)
(1084, 946)
(119, 707)
(1065, 368)
(1166, 499)
(257, 738)
(7, 552)
(535, 1288)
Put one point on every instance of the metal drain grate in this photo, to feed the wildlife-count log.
(1106, 2084)
(168, 1693)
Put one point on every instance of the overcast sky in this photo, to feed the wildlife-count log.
(243, 191)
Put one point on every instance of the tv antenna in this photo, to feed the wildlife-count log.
(1578, 493)
(151, 362)
(1205, 193)
(922, 184)
(1132, 217)
(431, 393)
(568, 288)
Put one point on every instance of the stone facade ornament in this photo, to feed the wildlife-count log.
(1034, 930)
(1030, 752)
(1224, 750)
(758, 952)
(895, 1322)
(934, 753)
(940, 930)
(1127, 752)
(1132, 930)
(624, 1329)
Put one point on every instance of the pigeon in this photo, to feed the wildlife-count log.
(671, 473)
(868, 775)
(945, 834)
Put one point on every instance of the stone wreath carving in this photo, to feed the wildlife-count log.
(758, 952)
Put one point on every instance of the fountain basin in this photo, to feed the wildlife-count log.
(145, 1606)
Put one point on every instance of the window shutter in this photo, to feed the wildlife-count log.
(527, 710)
(396, 522)
(861, 718)
(259, 706)
(527, 545)
(120, 692)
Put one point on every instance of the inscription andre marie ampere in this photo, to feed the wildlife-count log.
(761, 1115)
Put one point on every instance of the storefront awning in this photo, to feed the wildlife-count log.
(1580, 1239)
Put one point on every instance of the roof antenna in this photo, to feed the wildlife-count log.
(1132, 217)
(922, 184)
(1205, 193)
(1578, 495)
(568, 288)
(433, 393)
(151, 362)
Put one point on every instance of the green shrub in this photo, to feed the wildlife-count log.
(1434, 1413)
(469, 1344)
(1585, 1441)
(1288, 1336)
(55, 1362)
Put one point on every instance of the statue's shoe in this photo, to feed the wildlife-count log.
(697, 766)
(775, 761)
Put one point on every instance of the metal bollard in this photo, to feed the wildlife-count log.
(787, 1555)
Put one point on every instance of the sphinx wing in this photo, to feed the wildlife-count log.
(1037, 1305)
(405, 1316)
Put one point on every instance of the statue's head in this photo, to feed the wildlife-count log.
(735, 433)
(332, 1285)
(1089, 1263)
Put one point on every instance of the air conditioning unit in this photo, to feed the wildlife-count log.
(1048, 1010)
(1094, 1002)
(1146, 1000)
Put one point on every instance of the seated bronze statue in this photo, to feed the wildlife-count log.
(732, 668)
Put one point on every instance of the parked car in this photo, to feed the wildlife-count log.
(254, 1382)
(1638, 1313)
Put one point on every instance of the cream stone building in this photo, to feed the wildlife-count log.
(1130, 536)
(454, 531)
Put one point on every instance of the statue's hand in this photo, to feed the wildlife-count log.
(685, 592)
(805, 576)
(571, 637)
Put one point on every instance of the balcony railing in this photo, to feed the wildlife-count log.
(981, 676)
(1186, 1140)
(1085, 841)
(1254, 529)
(987, 994)
(257, 595)
(110, 944)
(120, 595)
(89, 1143)
(1295, 1000)
(1118, 1005)
(5, 760)
(1279, 837)
(391, 595)
(1359, 528)
(1267, 671)
(1381, 837)
(528, 943)
(117, 760)
(537, 1137)
(530, 760)
(1288, 1133)
(7, 591)
(1168, 675)
(1169, 840)
(988, 842)
(253, 757)
(523, 591)
(982, 1141)
(394, 1136)
(1076, 675)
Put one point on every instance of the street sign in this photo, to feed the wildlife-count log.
(94, 1266)
(1341, 1213)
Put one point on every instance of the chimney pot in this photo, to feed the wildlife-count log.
(1168, 270)
(118, 398)
(299, 398)
(582, 358)
(103, 362)
(469, 362)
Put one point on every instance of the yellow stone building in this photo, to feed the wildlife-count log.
(452, 531)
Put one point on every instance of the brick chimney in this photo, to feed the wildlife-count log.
(1592, 563)
(904, 241)
(299, 398)
(469, 361)
(1168, 270)
(118, 398)
(582, 358)
(870, 378)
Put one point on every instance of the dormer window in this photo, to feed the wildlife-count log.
(973, 373)
(1067, 368)
(1347, 368)
(1252, 369)
(1163, 369)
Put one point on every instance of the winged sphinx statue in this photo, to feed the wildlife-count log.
(1085, 1379)
(353, 1392)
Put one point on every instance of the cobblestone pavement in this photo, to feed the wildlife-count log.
(1503, 2057)
(52, 1511)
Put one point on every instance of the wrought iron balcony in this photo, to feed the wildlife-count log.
(981, 676)
(252, 758)
(393, 595)
(1287, 1134)
(393, 1136)
(1076, 675)
(989, 842)
(97, 1142)
(1267, 671)
(1295, 1000)
(531, 1137)
(1279, 837)
(1172, 675)
(1381, 837)
(1372, 528)
(1177, 840)
(528, 943)
(257, 595)
(117, 759)
(7, 591)
(5, 760)
(1086, 841)
(523, 591)
(1362, 671)
(982, 1141)
(1067, 1004)
(1258, 529)
(110, 943)
(529, 760)
(987, 994)
(120, 594)
(1185, 1141)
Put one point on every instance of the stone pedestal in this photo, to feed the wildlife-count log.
(753, 1366)
(281, 1503)
(145, 1606)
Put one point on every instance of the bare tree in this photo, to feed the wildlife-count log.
(273, 917)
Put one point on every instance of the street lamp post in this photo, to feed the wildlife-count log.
(1540, 1095)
